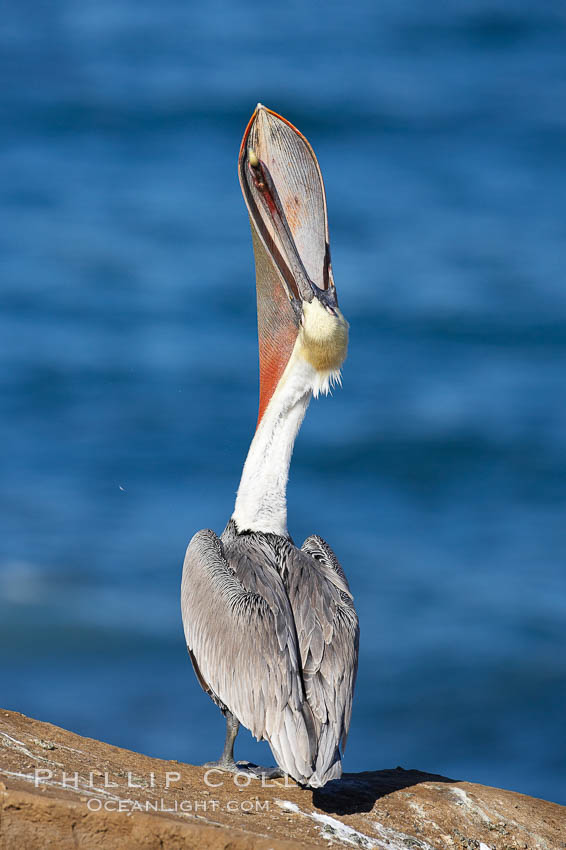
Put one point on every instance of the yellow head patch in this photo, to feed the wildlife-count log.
(323, 337)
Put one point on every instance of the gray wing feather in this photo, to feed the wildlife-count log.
(328, 635)
(239, 628)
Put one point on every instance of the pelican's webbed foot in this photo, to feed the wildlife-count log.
(259, 772)
(226, 761)
(247, 768)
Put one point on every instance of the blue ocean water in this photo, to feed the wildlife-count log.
(129, 361)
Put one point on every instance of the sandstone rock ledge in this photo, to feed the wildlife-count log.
(59, 790)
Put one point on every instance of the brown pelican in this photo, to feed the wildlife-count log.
(271, 629)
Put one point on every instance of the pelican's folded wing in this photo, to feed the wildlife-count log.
(243, 640)
(328, 635)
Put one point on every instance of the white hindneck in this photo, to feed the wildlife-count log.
(314, 366)
(261, 503)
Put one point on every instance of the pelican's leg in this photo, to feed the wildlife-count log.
(226, 760)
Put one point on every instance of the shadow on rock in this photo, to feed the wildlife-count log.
(357, 792)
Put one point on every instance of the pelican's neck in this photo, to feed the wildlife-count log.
(261, 503)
